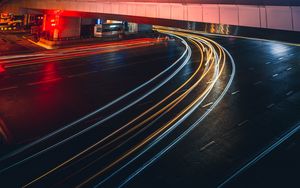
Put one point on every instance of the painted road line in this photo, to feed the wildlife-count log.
(275, 75)
(258, 82)
(267, 63)
(288, 69)
(208, 104)
(207, 145)
(289, 93)
(44, 82)
(270, 105)
(8, 88)
(235, 92)
(209, 82)
(243, 123)
(264, 153)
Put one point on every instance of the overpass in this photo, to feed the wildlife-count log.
(268, 14)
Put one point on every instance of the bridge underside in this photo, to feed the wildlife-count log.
(258, 16)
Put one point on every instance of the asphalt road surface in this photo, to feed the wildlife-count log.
(263, 103)
(186, 112)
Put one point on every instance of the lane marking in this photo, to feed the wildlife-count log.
(267, 63)
(208, 104)
(258, 82)
(275, 75)
(270, 105)
(187, 74)
(207, 146)
(267, 151)
(8, 88)
(288, 69)
(209, 82)
(243, 123)
(289, 93)
(43, 82)
(235, 92)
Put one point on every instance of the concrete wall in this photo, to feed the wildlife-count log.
(261, 16)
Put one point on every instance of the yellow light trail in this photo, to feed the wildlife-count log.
(166, 108)
(156, 133)
(96, 144)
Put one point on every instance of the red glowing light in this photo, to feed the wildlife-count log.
(2, 69)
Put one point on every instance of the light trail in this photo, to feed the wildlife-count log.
(171, 105)
(187, 53)
(76, 54)
(86, 48)
(193, 126)
(214, 66)
(156, 133)
(191, 108)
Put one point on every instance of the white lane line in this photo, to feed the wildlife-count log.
(208, 104)
(209, 82)
(195, 124)
(235, 92)
(267, 63)
(207, 145)
(267, 151)
(187, 52)
(82, 74)
(270, 105)
(281, 58)
(258, 82)
(8, 88)
(186, 74)
(288, 69)
(20, 56)
(43, 82)
(289, 93)
(275, 75)
(243, 123)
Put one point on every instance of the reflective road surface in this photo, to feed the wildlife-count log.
(193, 111)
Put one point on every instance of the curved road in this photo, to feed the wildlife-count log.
(185, 121)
